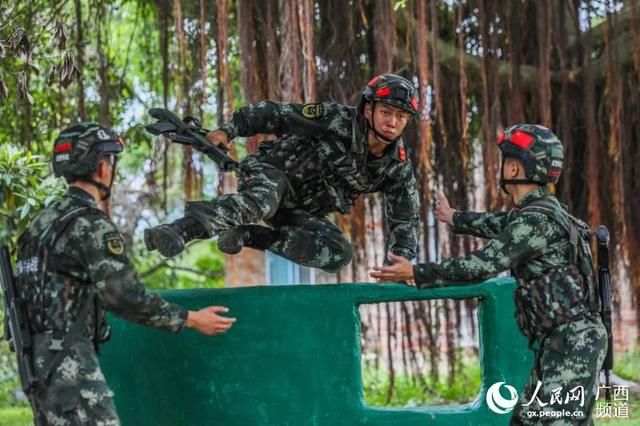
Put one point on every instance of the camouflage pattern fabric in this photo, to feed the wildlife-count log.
(310, 240)
(537, 251)
(78, 393)
(530, 244)
(319, 164)
(567, 366)
(88, 256)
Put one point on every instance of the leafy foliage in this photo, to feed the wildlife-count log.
(27, 186)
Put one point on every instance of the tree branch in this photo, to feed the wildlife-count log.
(449, 54)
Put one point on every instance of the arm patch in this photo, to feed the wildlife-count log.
(313, 111)
(114, 243)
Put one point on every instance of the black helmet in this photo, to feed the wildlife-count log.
(77, 151)
(538, 148)
(393, 90)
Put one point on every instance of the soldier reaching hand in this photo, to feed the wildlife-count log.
(557, 305)
(72, 266)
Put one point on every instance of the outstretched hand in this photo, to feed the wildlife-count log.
(219, 138)
(400, 271)
(207, 321)
(443, 212)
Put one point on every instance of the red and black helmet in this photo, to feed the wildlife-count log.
(539, 150)
(77, 151)
(392, 90)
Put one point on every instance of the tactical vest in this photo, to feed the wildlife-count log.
(323, 176)
(48, 289)
(564, 294)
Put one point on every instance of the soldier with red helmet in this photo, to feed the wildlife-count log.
(72, 267)
(325, 156)
(547, 251)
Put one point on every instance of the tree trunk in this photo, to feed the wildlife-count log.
(291, 52)
(80, 59)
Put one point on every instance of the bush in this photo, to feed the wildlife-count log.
(26, 186)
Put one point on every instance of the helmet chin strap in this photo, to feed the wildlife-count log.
(106, 190)
(504, 182)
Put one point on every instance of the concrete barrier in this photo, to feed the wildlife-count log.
(293, 358)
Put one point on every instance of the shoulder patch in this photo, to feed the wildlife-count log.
(313, 111)
(402, 153)
(114, 243)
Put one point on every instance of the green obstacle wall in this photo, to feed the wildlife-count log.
(293, 358)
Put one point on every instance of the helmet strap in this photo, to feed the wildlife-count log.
(106, 190)
(504, 182)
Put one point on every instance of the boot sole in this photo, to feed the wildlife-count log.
(166, 242)
(230, 241)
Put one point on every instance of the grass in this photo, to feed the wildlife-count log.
(411, 391)
(627, 365)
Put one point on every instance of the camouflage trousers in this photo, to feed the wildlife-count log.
(566, 376)
(300, 236)
(77, 393)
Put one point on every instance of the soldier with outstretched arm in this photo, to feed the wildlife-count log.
(547, 251)
(73, 267)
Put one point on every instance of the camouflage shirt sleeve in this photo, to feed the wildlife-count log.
(402, 212)
(118, 288)
(522, 239)
(483, 225)
(281, 118)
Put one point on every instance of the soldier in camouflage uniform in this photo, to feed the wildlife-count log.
(72, 266)
(326, 155)
(557, 303)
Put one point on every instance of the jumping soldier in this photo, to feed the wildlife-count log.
(325, 156)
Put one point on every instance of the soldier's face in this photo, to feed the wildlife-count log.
(388, 120)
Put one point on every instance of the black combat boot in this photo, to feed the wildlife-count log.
(171, 239)
(231, 241)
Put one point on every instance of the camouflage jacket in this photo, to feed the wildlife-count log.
(88, 257)
(535, 248)
(322, 148)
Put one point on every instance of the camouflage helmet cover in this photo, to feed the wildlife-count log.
(538, 148)
(78, 149)
(392, 90)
